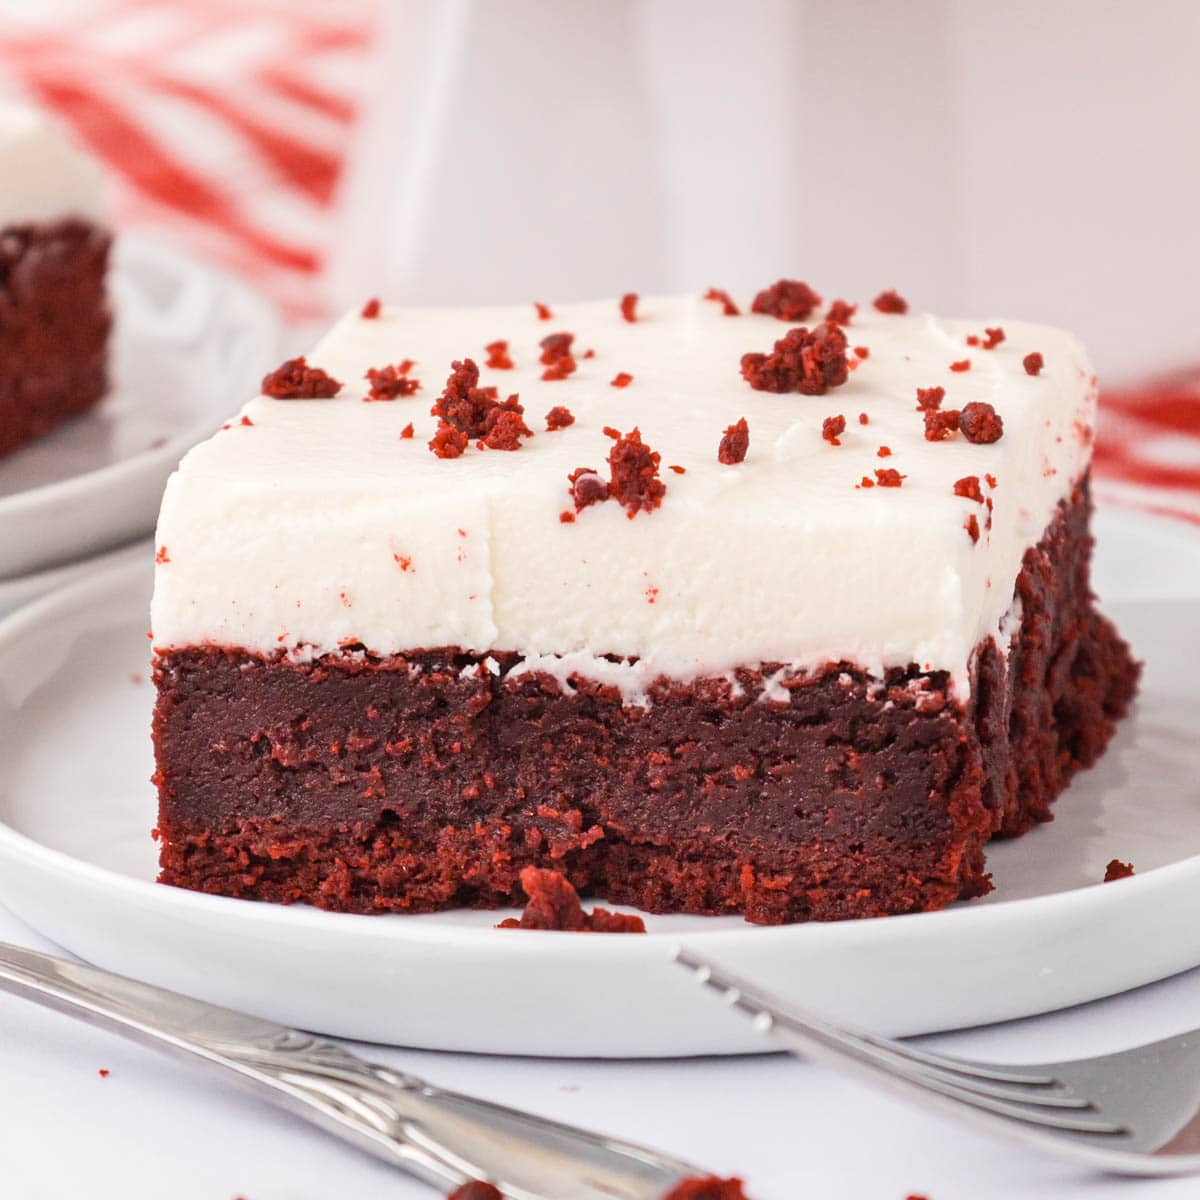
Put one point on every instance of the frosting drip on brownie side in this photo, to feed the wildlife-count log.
(319, 526)
(45, 178)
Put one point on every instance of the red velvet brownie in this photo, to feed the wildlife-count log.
(788, 622)
(54, 317)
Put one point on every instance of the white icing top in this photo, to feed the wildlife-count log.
(45, 178)
(317, 524)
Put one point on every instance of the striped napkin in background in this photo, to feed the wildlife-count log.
(226, 125)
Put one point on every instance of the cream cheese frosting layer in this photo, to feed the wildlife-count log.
(316, 524)
(45, 178)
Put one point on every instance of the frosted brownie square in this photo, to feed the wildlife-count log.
(777, 608)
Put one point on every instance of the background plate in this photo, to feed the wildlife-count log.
(189, 346)
(76, 862)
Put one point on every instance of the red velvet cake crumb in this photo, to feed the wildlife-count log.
(161, 556)
(941, 423)
(1033, 363)
(629, 306)
(104, 1072)
(476, 1190)
(387, 383)
(863, 419)
(991, 480)
(723, 298)
(832, 429)
(708, 1187)
(889, 477)
(559, 418)
(543, 310)
(448, 442)
(971, 525)
(633, 471)
(507, 429)
(968, 488)
(734, 444)
(677, 469)
(555, 346)
(802, 361)
(980, 423)
(994, 337)
(622, 379)
(891, 302)
(296, 380)
(407, 431)
(587, 487)
(865, 482)
(246, 421)
(554, 904)
(560, 370)
(930, 398)
(972, 339)
(787, 299)
(841, 312)
(1117, 869)
(963, 364)
(497, 356)
(883, 452)
(861, 352)
(370, 310)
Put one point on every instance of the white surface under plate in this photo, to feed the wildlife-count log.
(76, 862)
(189, 345)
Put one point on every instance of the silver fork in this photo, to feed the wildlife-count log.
(1136, 1112)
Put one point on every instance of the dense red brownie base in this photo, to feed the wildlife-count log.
(411, 784)
(54, 326)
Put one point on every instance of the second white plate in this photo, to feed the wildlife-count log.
(77, 863)
(189, 345)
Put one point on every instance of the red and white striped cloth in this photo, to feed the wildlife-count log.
(224, 123)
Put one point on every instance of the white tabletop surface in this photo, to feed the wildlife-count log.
(153, 1128)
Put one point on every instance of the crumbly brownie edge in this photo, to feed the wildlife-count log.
(54, 326)
(425, 782)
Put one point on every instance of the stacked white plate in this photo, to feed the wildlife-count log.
(189, 345)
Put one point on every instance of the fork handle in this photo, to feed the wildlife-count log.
(443, 1137)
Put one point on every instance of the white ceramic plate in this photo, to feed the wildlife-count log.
(76, 862)
(24, 589)
(190, 345)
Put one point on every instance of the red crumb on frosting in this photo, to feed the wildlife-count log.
(787, 299)
(567, 518)
(543, 310)
(1117, 869)
(706, 1187)
(735, 443)
(476, 1190)
(497, 356)
(968, 487)
(891, 302)
(559, 418)
(296, 380)
(802, 361)
(387, 383)
(586, 487)
(832, 429)
(1033, 363)
(866, 481)
(994, 337)
(889, 477)
(941, 424)
(677, 469)
(963, 364)
(980, 423)
(407, 431)
(622, 379)
(633, 474)
(972, 339)
(246, 421)
(104, 1072)
(370, 310)
(991, 480)
(862, 352)
(629, 306)
(507, 429)
(161, 556)
(884, 452)
(560, 369)
(448, 442)
(971, 525)
(556, 354)
(863, 419)
(841, 312)
(722, 297)
(554, 904)
(929, 399)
